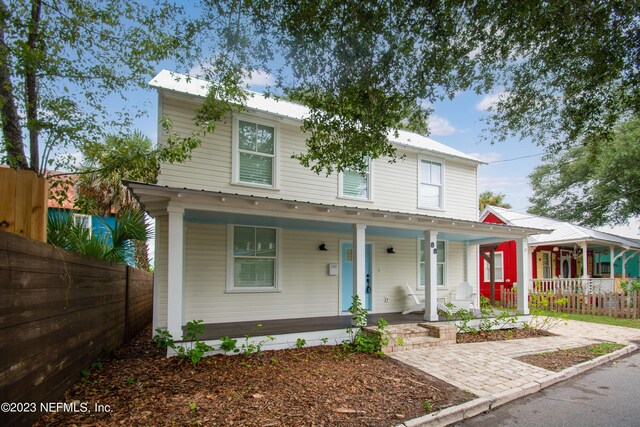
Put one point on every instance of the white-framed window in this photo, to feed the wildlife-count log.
(354, 184)
(440, 263)
(499, 266)
(83, 221)
(546, 265)
(253, 259)
(430, 184)
(255, 152)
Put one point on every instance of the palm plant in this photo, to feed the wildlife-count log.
(489, 198)
(113, 245)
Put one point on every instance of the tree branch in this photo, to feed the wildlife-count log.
(31, 84)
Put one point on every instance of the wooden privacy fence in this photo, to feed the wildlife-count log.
(612, 304)
(23, 203)
(59, 312)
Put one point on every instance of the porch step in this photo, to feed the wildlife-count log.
(417, 335)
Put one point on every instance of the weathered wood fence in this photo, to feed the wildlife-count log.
(612, 304)
(59, 312)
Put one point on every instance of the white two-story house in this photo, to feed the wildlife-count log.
(245, 235)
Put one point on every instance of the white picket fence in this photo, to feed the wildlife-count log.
(587, 286)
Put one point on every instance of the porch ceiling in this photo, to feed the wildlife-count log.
(224, 208)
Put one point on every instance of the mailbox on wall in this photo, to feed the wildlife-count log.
(333, 269)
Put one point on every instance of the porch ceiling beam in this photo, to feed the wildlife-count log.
(488, 241)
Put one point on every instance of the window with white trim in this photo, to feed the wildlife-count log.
(430, 183)
(546, 265)
(82, 220)
(254, 258)
(355, 184)
(499, 268)
(255, 156)
(440, 263)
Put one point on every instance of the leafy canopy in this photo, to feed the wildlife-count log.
(489, 198)
(594, 183)
(63, 63)
(566, 70)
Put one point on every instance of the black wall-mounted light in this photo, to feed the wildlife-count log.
(390, 250)
(322, 247)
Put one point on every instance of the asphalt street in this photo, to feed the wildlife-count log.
(605, 396)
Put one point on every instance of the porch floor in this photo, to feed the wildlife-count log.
(214, 331)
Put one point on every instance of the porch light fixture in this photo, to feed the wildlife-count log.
(390, 250)
(322, 247)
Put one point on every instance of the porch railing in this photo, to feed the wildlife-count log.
(587, 286)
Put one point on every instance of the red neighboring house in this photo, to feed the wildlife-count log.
(559, 255)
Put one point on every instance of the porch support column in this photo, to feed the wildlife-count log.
(522, 261)
(175, 270)
(611, 260)
(430, 275)
(585, 260)
(359, 270)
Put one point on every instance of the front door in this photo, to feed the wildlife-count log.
(346, 253)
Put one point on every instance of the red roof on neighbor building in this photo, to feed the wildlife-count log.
(55, 186)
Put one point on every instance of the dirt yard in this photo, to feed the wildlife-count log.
(308, 386)
(562, 359)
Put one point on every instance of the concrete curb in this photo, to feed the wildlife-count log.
(454, 414)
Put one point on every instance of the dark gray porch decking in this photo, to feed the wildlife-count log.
(214, 331)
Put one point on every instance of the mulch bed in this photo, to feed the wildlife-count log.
(308, 386)
(502, 335)
(562, 359)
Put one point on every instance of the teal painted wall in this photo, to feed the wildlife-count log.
(632, 265)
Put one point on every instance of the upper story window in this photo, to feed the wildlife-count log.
(430, 184)
(499, 268)
(355, 185)
(255, 150)
(253, 259)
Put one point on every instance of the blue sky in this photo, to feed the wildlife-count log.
(457, 123)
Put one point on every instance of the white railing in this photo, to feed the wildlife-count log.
(588, 286)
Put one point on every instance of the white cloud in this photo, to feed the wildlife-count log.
(489, 101)
(487, 157)
(440, 126)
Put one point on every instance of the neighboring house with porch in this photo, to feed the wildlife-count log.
(569, 256)
(246, 235)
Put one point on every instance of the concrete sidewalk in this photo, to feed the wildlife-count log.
(490, 371)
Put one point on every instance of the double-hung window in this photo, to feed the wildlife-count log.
(440, 263)
(430, 184)
(499, 268)
(83, 221)
(255, 153)
(253, 259)
(355, 185)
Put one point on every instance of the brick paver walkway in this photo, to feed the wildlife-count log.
(489, 368)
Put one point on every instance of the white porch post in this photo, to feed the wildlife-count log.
(430, 275)
(359, 268)
(174, 271)
(585, 260)
(611, 260)
(522, 261)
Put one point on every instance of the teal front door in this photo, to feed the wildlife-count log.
(346, 253)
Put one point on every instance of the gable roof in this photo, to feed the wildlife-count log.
(562, 231)
(181, 83)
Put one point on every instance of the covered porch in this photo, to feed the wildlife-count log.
(313, 244)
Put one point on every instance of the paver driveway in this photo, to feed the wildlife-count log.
(490, 368)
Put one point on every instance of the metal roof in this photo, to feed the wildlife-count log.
(181, 83)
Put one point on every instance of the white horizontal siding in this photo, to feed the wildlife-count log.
(394, 186)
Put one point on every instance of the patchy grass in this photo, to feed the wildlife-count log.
(562, 359)
(605, 320)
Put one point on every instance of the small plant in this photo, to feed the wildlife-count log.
(193, 407)
(96, 365)
(365, 342)
(274, 360)
(399, 340)
(131, 380)
(426, 405)
(301, 342)
(539, 308)
(196, 348)
(84, 376)
(464, 317)
(484, 302)
(630, 286)
(163, 339)
(324, 340)
(228, 345)
(249, 348)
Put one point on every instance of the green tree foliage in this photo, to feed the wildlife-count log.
(61, 61)
(567, 70)
(593, 183)
(489, 198)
